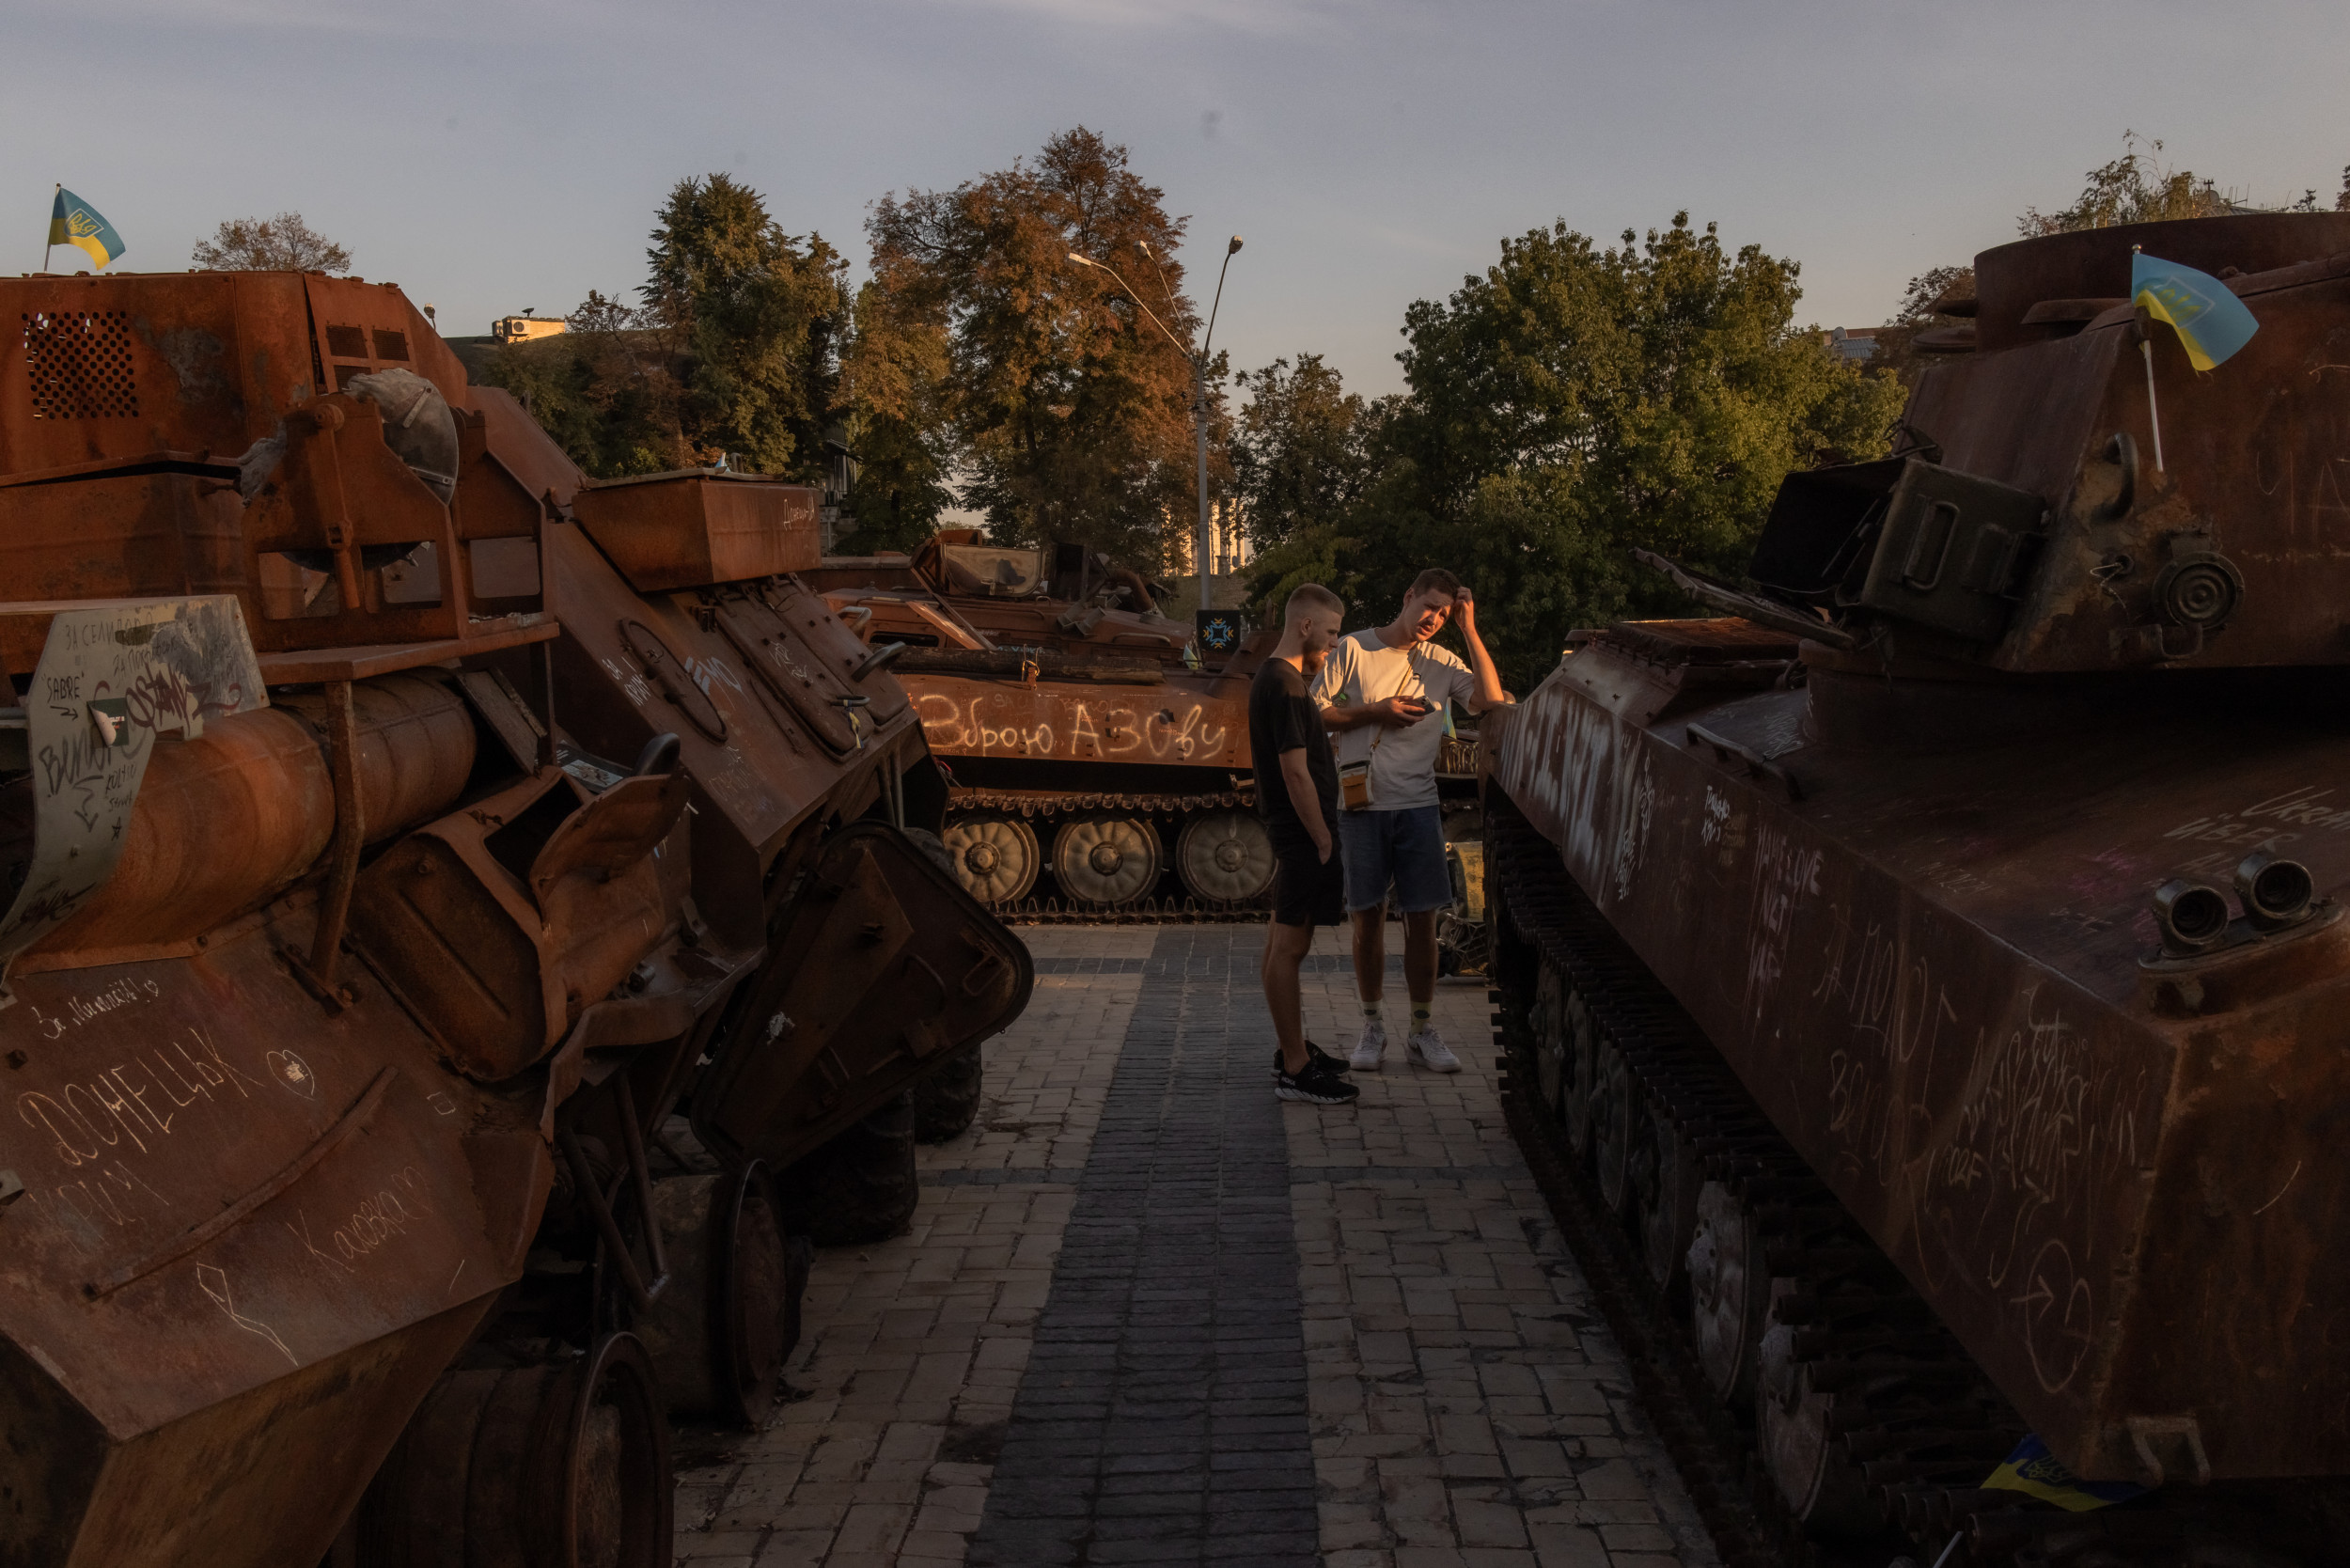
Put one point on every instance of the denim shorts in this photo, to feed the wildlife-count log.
(1406, 848)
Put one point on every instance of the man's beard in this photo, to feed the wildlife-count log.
(1312, 659)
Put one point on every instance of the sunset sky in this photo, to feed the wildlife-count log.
(501, 153)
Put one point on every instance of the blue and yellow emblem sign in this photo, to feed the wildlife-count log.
(74, 222)
(1216, 633)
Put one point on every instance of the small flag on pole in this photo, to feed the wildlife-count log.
(74, 222)
(2211, 321)
(2032, 1470)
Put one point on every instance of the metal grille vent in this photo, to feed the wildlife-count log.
(347, 342)
(78, 365)
(390, 345)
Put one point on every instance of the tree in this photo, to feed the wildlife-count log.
(2134, 188)
(893, 389)
(280, 245)
(990, 353)
(757, 316)
(1574, 403)
(1896, 351)
(607, 390)
(1299, 452)
(733, 357)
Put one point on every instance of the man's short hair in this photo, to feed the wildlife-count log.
(1434, 577)
(1312, 596)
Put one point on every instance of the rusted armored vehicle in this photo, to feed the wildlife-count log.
(399, 833)
(1061, 597)
(1937, 965)
(1086, 754)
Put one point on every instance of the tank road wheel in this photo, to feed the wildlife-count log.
(1816, 1475)
(1665, 1182)
(861, 1186)
(1728, 1291)
(551, 1466)
(1548, 1020)
(993, 857)
(1106, 860)
(716, 1335)
(947, 1101)
(1619, 1118)
(1225, 857)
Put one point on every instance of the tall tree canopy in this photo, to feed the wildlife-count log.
(1574, 403)
(984, 351)
(734, 352)
(1300, 449)
(280, 245)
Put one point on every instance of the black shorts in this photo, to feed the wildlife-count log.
(1308, 890)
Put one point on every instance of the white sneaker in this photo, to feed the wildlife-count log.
(1369, 1049)
(1427, 1048)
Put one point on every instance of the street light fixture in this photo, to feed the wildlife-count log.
(1198, 382)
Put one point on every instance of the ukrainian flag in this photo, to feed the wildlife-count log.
(2032, 1470)
(2211, 321)
(74, 222)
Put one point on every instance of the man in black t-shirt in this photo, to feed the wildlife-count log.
(1297, 794)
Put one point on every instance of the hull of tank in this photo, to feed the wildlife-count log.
(339, 1019)
(1922, 943)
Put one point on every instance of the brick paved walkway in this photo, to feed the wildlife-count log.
(1225, 1330)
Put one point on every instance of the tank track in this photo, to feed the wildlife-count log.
(1912, 1417)
(1049, 803)
(1143, 912)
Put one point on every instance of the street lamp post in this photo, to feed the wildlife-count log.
(1198, 384)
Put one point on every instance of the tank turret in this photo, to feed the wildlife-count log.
(2027, 524)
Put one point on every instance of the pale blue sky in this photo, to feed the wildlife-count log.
(500, 153)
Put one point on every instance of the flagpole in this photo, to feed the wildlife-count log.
(2146, 347)
(52, 244)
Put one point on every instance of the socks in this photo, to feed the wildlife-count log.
(1421, 1017)
(1371, 1010)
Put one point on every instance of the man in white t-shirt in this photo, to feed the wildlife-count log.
(1386, 692)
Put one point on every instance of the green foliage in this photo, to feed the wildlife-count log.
(734, 353)
(1300, 449)
(2134, 188)
(283, 244)
(606, 390)
(757, 315)
(985, 350)
(1574, 403)
(894, 385)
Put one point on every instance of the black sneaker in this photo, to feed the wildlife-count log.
(1315, 1057)
(1316, 1085)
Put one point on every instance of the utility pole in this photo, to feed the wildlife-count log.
(1204, 544)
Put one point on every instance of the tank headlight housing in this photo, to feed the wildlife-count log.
(2193, 916)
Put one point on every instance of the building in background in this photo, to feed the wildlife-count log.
(1858, 343)
(524, 327)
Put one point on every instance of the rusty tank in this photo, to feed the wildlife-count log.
(1933, 967)
(458, 916)
(1099, 765)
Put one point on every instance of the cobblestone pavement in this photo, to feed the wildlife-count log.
(1234, 1331)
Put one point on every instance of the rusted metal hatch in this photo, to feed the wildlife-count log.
(673, 679)
(782, 652)
(884, 968)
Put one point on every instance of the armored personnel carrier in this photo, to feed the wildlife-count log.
(401, 833)
(1932, 972)
(1088, 754)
